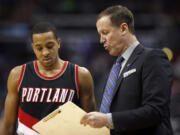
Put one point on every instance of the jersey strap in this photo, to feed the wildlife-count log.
(21, 76)
(76, 79)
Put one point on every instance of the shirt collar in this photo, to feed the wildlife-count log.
(129, 50)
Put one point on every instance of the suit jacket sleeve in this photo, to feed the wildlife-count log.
(156, 80)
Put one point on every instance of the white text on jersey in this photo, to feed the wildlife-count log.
(57, 95)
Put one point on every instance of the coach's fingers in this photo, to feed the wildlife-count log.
(87, 119)
(84, 119)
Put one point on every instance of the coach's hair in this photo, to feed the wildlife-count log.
(118, 15)
(43, 27)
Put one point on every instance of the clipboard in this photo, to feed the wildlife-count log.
(66, 121)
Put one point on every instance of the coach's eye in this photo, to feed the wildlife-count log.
(104, 32)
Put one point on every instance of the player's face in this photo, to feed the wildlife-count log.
(110, 36)
(46, 47)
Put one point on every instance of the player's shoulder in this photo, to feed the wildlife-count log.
(85, 78)
(83, 71)
(16, 71)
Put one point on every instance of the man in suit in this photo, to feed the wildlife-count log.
(137, 94)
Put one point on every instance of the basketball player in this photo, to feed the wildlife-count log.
(37, 88)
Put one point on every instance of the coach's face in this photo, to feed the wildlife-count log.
(112, 37)
(46, 47)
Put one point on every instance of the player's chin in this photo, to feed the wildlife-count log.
(47, 63)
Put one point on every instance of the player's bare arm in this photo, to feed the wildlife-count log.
(86, 90)
(7, 126)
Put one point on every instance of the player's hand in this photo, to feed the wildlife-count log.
(94, 119)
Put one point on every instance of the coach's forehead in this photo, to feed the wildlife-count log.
(103, 23)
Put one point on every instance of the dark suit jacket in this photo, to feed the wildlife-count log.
(141, 102)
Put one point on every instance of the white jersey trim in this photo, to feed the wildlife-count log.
(24, 130)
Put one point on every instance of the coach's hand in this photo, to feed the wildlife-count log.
(95, 119)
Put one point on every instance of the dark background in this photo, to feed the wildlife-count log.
(157, 24)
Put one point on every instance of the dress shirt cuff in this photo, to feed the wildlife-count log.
(110, 122)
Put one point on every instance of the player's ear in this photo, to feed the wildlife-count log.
(59, 42)
(32, 45)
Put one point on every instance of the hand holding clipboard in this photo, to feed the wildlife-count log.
(66, 121)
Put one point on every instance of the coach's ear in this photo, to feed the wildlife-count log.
(124, 28)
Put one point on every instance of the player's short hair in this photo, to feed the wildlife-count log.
(119, 14)
(43, 27)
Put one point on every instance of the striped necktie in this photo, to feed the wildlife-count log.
(110, 86)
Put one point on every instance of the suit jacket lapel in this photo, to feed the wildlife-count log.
(129, 63)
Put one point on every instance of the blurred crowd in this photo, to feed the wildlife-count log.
(157, 24)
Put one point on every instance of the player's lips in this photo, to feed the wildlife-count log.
(47, 60)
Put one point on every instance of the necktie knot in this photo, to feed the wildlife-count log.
(119, 60)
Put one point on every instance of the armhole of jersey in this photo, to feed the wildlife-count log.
(21, 77)
(76, 79)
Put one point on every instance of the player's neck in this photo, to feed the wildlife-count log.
(56, 67)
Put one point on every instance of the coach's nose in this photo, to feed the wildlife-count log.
(102, 39)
